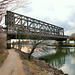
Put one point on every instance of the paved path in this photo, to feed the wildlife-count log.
(12, 65)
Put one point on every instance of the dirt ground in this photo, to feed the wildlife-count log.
(12, 65)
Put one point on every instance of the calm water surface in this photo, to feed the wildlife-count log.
(63, 59)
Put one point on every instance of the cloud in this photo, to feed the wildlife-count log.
(69, 32)
(57, 12)
(71, 24)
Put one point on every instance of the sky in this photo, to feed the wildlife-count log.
(56, 12)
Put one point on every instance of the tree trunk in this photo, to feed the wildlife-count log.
(34, 46)
(32, 51)
(30, 54)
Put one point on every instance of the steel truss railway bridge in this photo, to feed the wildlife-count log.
(30, 28)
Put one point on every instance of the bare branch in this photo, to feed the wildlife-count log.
(11, 5)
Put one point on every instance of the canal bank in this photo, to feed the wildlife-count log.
(63, 59)
(42, 65)
(3, 57)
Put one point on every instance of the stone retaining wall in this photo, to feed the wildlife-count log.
(3, 40)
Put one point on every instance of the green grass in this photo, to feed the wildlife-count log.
(3, 56)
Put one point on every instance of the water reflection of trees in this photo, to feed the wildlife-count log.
(73, 53)
(58, 59)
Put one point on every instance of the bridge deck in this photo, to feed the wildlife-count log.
(38, 36)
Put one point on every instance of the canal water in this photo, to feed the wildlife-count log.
(63, 58)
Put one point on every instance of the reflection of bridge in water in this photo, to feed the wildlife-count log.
(30, 28)
(58, 59)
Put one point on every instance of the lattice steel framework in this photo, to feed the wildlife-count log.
(31, 26)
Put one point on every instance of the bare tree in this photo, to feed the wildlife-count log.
(35, 43)
(11, 5)
(40, 45)
(72, 37)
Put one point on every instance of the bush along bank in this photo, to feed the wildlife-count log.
(3, 57)
(38, 67)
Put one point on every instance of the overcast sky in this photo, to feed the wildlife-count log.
(57, 12)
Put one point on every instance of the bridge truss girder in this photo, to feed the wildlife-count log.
(30, 27)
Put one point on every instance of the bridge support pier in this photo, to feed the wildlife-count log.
(67, 41)
(8, 44)
(60, 43)
(74, 42)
